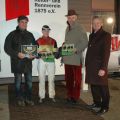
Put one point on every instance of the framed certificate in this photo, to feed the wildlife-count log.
(29, 50)
(67, 49)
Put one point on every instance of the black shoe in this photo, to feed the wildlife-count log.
(74, 101)
(69, 100)
(21, 103)
(41, 100)
(29, 102)
(101, 111)
(53, 100)
(94, 107)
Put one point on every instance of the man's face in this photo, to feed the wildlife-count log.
(45, 33)
(22, 24)
(71, 19)
(96, 24)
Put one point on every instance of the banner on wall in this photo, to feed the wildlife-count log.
(15, 8)
(39, 12)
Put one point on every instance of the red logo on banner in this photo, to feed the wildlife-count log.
(15, 8)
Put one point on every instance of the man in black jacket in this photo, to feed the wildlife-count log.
(20, 64)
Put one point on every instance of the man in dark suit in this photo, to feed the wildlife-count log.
(96, 65)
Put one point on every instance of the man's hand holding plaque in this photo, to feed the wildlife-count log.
(21, 55)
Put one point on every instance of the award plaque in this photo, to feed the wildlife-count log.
(29, 50)
(67, 49)
(46, 48)
(47, 56)
(46, 52)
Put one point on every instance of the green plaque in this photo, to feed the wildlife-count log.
(67, 49)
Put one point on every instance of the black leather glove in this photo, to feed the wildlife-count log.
(58, 54)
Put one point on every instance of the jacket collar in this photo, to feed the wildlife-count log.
(96, 36)
(20, 30)
(74, 24)
(98, 32)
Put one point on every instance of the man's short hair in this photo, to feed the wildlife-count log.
(97, 17)
(22, 17)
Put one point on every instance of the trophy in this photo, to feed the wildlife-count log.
(67, 49)
(29, 50)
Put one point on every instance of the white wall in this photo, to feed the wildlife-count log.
(56, 21)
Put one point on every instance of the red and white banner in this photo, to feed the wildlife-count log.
(11, 9)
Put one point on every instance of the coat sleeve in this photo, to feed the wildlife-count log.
(56, 54)
(8, 46)
(55, 45)
(82, 42)
(33, 40)
(106, 51)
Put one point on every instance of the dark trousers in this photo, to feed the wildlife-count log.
(101, 96)
(27, 92)
(73, 79)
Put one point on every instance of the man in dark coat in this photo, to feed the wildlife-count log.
(97, 58)
(20, 64)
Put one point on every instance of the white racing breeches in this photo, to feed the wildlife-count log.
(42, 68)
